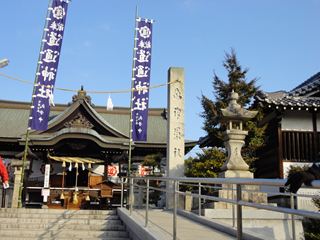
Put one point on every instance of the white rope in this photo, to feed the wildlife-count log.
(88, 91)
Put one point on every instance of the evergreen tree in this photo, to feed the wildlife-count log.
(237, 82)
(206, 164)
(152, 160)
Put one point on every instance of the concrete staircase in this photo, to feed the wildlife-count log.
(27, 223)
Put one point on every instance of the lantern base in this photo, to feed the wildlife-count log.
(236, 174)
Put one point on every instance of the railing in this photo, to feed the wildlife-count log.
(175, 186)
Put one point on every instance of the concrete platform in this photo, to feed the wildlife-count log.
(160, 226)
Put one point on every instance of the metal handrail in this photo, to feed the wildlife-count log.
(67, 188)
(242, 181)
(238, 202)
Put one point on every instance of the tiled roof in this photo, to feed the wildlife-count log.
(290, 101)
(301, 97)
(307, 86)
(14, 118)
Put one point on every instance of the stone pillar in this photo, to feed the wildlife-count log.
(175, 129)
(188, 202)
(17, 164)
(16, 186)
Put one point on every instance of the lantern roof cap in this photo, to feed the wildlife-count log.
(235, 111)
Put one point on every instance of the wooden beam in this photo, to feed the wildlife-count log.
(280, 158)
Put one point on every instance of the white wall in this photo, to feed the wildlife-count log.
(297, 120)
(286, 166)
(318, 122)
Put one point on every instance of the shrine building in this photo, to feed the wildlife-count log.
(85, 145)
(293, 129)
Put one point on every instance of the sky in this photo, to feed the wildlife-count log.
(278, 41)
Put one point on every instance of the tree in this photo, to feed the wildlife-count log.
(206, 164)
(152, 160)
(211, 108)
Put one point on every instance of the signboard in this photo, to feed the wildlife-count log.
(113, 170)
(45, 192)
(46, 176)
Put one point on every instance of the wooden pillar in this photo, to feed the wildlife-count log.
(280, 155)
(315, 137)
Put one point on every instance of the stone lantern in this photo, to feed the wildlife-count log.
(234, 116)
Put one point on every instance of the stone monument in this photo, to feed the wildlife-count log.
(175, 129)
(235, 167)
(234, 116)
(175, 132)
(262, 223)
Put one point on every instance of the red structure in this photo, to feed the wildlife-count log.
(3, 173)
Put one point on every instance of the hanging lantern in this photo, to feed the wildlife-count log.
(109, 104)
(62, 196)
(75, 198)
(63, 164)
(76, 165)
(88, 198)
(70, 167)
(89, 165)
(83, 168)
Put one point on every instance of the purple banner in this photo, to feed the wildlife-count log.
(141, 79)
(48, 65)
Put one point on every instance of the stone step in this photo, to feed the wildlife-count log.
(58, 211)
(57, 215)
(109, 226)
(43, 219)
(59, 234)
(61, 224)
(59, 238)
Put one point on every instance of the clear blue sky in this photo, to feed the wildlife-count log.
(278, 41)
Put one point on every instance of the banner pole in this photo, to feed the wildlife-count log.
(131, 95)
(25, 153)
